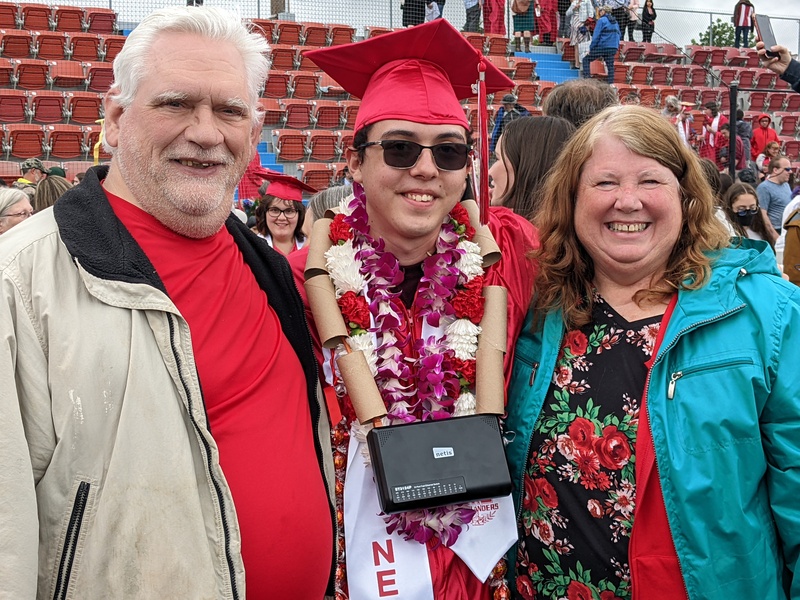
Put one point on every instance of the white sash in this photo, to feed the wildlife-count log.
(380, 564)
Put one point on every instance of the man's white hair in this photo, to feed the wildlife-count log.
(131, 64)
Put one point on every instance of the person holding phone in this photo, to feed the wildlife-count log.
(783, 64)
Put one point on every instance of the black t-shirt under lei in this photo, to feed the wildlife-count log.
(579, 482)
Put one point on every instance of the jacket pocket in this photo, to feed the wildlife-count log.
(713, 403)
(70, 547)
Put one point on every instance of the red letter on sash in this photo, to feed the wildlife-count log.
(383, 583)
(388, 554)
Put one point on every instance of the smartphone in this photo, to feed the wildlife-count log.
(765, 34)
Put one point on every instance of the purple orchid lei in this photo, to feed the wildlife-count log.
(422, 389)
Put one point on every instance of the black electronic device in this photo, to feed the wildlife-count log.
(765, 34)
(434, 463)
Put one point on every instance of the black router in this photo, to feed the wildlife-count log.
(434, 463)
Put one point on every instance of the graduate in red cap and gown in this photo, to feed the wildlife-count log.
(280, 211)
(408, 269)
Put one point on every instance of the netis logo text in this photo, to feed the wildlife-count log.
(443, 452)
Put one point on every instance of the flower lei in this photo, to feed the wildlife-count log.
(440, 382)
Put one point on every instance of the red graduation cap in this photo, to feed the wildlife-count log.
(283, 186)
(417, 74)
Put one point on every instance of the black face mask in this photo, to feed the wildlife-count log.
(745, 220)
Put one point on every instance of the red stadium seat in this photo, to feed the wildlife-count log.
(698, 55)
(274, 113)
(67, 74)
(317, 175)
(630, 51)
(501, 63)
(290, 144)
(791, 148)
(372, 31)
(92, 135)
(84, 47)
(330, 89)
(84, 107)
(13, 106)
(99, 77)
(478, 41)
(51, 45)
(264, 27)
(9, 169)
(659, 75)
(697, 76)
(304, 84)
(73, 167)
(24, 140)
(15, 43)
(350, 111)
(678, 75)
(283, 57)
(305, 63)
(47, 106)
(793, 103)
(338, 170)
(648, 95)
(65, 141)
(758, 101)
(277, 85)
(68, 18)
(775, 101)
(31, 74)
(746, 78)
(323, 145)
(639, 74)
(314, 34)
(6, 72)
(110, 46)
(36, 17)
(345, 140)
(327, 114)
(735, 58)
(101, 20)
(340, 34)
(298, 113)
(788, 123)
(687, 94)
(545, 87)
(765, 79)
(9, 15)
(496, 44)
(525, 91)
(287, 32)
(522, 68)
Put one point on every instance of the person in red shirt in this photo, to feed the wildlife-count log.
(409, 267)
(180, 427)
(763, 134)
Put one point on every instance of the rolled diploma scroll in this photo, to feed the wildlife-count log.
(327, 316)
(361, 386)
(316, 263)
(489, 379)
(483, 236)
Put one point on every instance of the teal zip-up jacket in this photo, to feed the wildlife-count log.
(724, 407)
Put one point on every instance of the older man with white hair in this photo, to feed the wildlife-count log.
(162, 430)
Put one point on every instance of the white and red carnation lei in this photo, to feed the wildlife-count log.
(440, 382)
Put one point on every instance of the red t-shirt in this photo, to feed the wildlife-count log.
(255, 395)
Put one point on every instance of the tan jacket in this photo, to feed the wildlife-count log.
(110, 484)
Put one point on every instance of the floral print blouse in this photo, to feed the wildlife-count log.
(580, 488)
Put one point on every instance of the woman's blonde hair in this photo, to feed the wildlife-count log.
(566, 271)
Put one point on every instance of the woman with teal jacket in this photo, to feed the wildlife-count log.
(654, 406)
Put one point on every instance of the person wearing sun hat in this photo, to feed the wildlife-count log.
(407, 266)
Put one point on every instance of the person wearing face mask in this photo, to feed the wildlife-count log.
(774, 194)
(741, 207)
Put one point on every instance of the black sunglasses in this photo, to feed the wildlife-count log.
(743, 212)
(402, 154)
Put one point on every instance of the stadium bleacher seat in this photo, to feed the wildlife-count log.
(791, 148)
(317, 175)
(9, 169)
(525, 91)
(64, 141)
(757, 101)
(330, 89)
(289, 144)
(630, 51)
(9, 15)
(345, 140)
(288, 32)
(23, 140)
(274, 113)
(648, 95)
(304, 84)
(67, 74)
(83, 107)
(638, 73)
(47, 106)
(298, 113)
(35, 16)
(678, 75)
(322, 145)
(734, 58)
(277, 85)
(15, 43)
(708, 95)
(698, 55)
(522, 68)
(687, 93)
(496, 44)
(545, 87)
(787, 123)
(73, 167)
(340, 34)
(478, 41)
(765, 79)
(110, 46)
(99, 76)
(13, 106)
(30, 74)
(303, 62)
(84, 47)
(50, 45)
(793, 103)
(371, 31)
(717, 57)
(314, 34)
(659, 74)
(621, 72)
(283, 57)
(327, 114)
(68, 19)
(92, 134)
(6, 71)
(100, 20)
(697, 76)
(264, 27)
(349, 112)
(775, 101)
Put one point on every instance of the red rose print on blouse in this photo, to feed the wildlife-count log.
(613, 448)
(581, 432)
(525, 587)
(576, 342)
(544, 490)
(578, 591)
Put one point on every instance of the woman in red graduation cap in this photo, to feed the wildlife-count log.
(280, 212)
(409, 264)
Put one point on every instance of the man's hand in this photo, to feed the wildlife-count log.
(778, 64)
